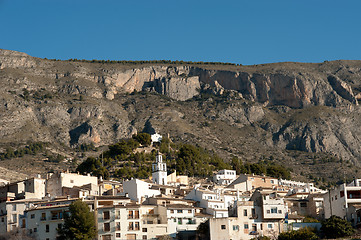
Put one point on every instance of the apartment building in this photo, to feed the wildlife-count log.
(58, 184)
(129, 221)
(248, 183)
(344, 201)
(224, 177)
(246, 221)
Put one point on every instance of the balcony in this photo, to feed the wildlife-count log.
(253, 216)
(253, 233)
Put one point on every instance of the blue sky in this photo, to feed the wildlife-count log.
(246, 32)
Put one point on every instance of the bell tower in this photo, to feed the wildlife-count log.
(159, 171)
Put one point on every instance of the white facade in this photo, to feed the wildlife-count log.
(180, 217)
(224, 177)
(57, 181)
(11, 213)
(130, 221)
(156, 137)
(137, 190)
(159, 171)
(344, 201)
(246, 223)
(215, 203)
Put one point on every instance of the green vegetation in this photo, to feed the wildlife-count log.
(266, 167)
(143, 138)
(302, 234)
(122, 162)
(30, 149)
(86, 147)
(129, 62)
(336, 227)
(196, 161)
(40, 94)
(79, 225)
(261, 238)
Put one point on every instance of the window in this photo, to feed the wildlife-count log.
(47, 228)
(223, 226)
(43, 216)
(71, 181)
(136, 214)
(117, 226)
(172, 211)
(2, 219)
(245, 212)
(15, 218)
(268, 211)
(131, 226)
(246, 226)
(179, 211)
(106, 227)
(136, 226)
(35, 230)
(117, 214)
(179, 221)
(145, 237)
(32, 216)
(270, 226)
(106, 215)
(303, 204)
(117, 235)
(273, 210)
(130, 214)
(189, 211)
(144, 230)
(272, 181)
(235, 228)
(279, 211)
(14, 207)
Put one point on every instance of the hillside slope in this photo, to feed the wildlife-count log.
(299, 114)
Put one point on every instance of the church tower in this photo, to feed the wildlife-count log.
(159, 171)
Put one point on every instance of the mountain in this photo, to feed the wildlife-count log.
(303, 115)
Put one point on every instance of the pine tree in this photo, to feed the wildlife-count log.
(80, 224)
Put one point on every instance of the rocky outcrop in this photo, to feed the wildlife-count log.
(79, 102)
(178, 87)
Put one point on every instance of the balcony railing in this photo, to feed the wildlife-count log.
(253, 216)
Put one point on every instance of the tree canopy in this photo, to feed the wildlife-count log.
(336, 227)
(79, 224)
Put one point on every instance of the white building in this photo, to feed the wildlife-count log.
(57, 182)
(156, 137)
(11, 213)
(129, 221)
(159, 171)
(344, 201)
(214, 203)
(245, 223)
(181, 218)
(138, 190)
(224, 177)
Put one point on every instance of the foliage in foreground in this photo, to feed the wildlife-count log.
(79, 225)
(17, 234)
(336, 227)
(302, 234)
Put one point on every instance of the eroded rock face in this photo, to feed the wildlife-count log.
(85, 107)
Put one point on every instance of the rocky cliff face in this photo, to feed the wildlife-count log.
(80, 102)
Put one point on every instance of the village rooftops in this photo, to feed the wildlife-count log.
(178, 206)
(48, 207)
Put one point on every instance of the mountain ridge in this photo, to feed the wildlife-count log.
(274, 108)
